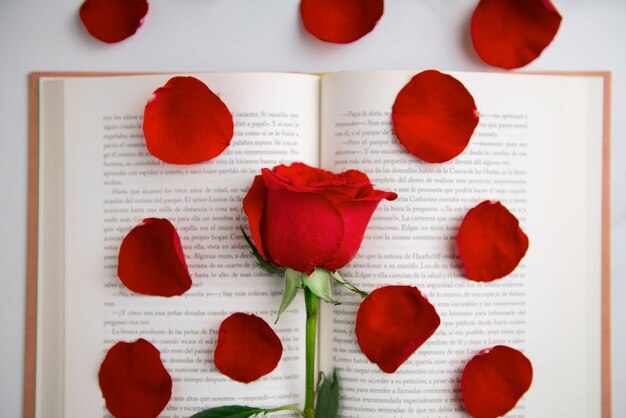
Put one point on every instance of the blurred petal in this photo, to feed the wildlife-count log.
(494, 381)
(340, 21)
(151, 260)
(133, 381)
(247, 348)
(512, 33)
(434, 116)
(113, 20)
(392, 323)
(186, 123)
(491, 242)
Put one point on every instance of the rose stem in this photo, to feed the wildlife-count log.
(311, 301)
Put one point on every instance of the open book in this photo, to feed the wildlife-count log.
(541, 148)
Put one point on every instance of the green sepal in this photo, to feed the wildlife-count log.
(230, 411)
(293, 282)
(265, 265)
(319, 283)
(327, 397)
(349, 285)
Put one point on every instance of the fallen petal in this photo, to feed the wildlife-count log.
(133, 381)
(512, 33)
(494, 381)
(151, 260)
(434, 116)
(490, 242)
(340, 21)
(113, 20)
(247, 348)
(392, 323)
(186, 123)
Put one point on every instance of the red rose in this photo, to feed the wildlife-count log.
(303, 217)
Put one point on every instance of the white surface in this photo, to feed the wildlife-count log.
(253, 35)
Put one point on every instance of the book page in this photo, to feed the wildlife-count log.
(537, 149)
(112, 183)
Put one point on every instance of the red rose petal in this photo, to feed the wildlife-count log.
(297, 239)
(309, 245)
(247, 348)
(254, 208)
(340, 21)
(186, 123)
(434, 116)
(356, 217)
(151, 260)
(133, 381)
(494, 381)
(113, 20)
(392, 323)
(491, 242)
(512, 33)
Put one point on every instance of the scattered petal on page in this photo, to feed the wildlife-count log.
(133, 381)
(490, 242)
(512, 33)
(340, 21)
(186, 123)
(392, 323)
(151, 260)
(247, 348)
(434, 116)
(113, 20)
(494, 381)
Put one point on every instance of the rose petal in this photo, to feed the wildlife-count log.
(494, 381)
(254, 208)
(301, 174)
(340, 21)
(113, 20)
(300, 178)
(186, 123)
(356, 216)
(247, 348)
(512, 33)
(434, 116)
(301, 239)
(490, 242)
(151, 260)
(133, 381)
(392, 323)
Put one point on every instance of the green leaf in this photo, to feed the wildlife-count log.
(328, 398)
(230, 411)
(293, 282)
(265, 265)
(319, 283)
(349, 285)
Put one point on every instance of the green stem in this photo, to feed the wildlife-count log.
(312, 302)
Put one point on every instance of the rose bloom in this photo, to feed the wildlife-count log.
(302, 217)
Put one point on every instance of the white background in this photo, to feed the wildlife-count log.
(266, 35)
